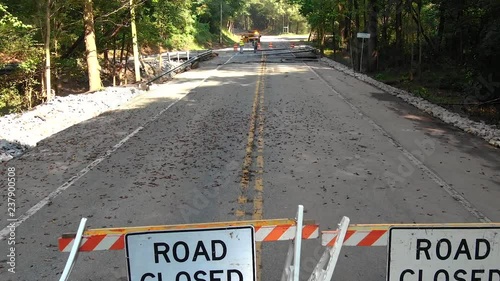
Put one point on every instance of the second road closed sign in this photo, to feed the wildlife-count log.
(444, 254)
(225, 254)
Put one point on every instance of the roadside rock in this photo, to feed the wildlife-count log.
(20, 131)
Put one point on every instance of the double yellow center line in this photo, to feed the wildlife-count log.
(255, 139)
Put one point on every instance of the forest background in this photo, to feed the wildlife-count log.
(446, 51)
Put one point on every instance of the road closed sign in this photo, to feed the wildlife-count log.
(220, 254)
(444, 254)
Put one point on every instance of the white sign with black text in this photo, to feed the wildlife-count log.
(363, 35)
(215, 254)
(444, 254)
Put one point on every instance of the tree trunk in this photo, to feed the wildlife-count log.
(356, 45)
(47, 52)
(348, 21)
(372, 29)
(342, 26)
(127, 52)
(365, 17)
(321, 39)
(385, 25)
(419, 3)
(334, 42)
(57, 80)
(442, 20)
(415, 16)
(460, 34)
(135, 46)
(411, 60)
(398, 26)
(114, 61)
(93, 66)
(348, 24)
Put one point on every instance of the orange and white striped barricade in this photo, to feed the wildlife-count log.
(410, 245)
(264, 231)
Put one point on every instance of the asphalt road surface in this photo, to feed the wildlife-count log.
(247, 136)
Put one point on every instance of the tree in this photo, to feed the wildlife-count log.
(373, 30)
(135, 44)
(398, 27)
(47, 52)
(20, 61)
(93, 66)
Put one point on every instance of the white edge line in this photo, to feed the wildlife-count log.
(33, 210)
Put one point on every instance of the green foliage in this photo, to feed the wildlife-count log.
(168, 25)
(10, 99)
(179, 41)
(21, 60)
(8, 19)
(202, 33)
(270, 16)
(16, 38)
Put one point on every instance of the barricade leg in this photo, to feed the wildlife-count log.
(74, 251)
(291, 272)
(288, 270)
(330, 255)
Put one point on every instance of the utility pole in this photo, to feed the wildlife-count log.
(134, 42)
(220, 32)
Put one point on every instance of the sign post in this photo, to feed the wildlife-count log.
(444, 253)
(197, 254)
(363, 36)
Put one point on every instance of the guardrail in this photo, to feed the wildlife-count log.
(173, 55)
(184, 65)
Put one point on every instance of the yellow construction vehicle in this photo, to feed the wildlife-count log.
(251, 36)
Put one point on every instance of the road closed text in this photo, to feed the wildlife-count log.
(180, 252)
(458, 275)
(200, 275)
(197, 255)
(451, 256)
(443, 250)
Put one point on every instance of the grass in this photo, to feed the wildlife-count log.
(432, 86)
(212, 42)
